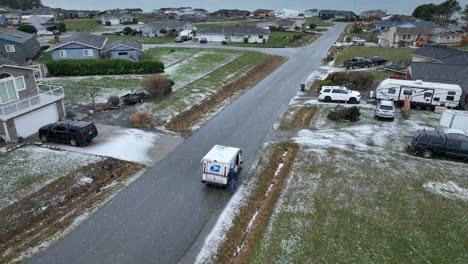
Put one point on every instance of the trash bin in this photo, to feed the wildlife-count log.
(302, 87)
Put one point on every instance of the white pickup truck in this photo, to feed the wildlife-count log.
(221, 165)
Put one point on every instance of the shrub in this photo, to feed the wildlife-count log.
(326, 83)
(113, 100)
(361, 81)
(61, 27)
(345, 113)
(27, 28)
(158, 87)
(141, 120)
(224, 42)
(246, 40)
(163, 31)
(312, 26)
(128, 31)
(296, 37)
(102, 67)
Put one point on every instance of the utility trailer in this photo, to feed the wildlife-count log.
(421, 94)
(221, 165)
(455, 120)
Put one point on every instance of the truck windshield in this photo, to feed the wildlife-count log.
(386, 107)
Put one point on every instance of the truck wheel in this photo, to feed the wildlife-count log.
(327, 99)
(44, 138)
(352, 100)
(418, 107)
(428, 154)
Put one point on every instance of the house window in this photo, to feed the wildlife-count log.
(418, 36)
(7, 91)
(20, 84)
(10, 48)
(88, 52)
(406, 37)
(123, 53)
(260, 36)
(62, 53)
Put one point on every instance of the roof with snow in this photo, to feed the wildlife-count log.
(235, 30)
(85, 39)
(16, 36)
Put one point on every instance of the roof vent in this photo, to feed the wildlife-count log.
(418, 82)
(16, 36)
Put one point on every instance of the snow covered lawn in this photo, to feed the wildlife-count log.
(132, 145)
(26, 170)
(356, 196)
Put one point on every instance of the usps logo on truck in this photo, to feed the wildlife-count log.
(215, 168)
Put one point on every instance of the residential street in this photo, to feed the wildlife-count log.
(160, 216)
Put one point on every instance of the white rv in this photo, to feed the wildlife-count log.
(455, 120)
(221, 164)
(421, 94)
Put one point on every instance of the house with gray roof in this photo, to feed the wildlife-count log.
(18, 46)
(396, 37)
(164, 28)
(386, 24)
(283, 24)
(337, 14)
(441, 65)
(41, 23)
(78, 47)
(247, 34)
(124, 49)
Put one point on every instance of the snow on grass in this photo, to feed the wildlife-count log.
(26, 170)
(448, 190)
(128, 144)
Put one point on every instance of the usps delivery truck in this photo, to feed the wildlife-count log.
(221, 165)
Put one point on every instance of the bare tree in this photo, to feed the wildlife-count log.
(91, 93)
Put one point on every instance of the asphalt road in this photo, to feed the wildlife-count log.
(160, 216)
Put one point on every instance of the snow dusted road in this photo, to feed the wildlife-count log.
(167, 211)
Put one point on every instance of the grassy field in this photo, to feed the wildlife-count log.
(144, 40)
(317, 21)
(281, 40)
(206, 86)
(170, 56)
(396, 55)
(83, 25)
(463, 48)
(356, 196)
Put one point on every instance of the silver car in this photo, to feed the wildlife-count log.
(385, 109)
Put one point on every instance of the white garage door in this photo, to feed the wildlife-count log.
(29, 124)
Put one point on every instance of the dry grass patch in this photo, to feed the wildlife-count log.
(299, 119)
(54, 207)
(251, 220)
(184, 121)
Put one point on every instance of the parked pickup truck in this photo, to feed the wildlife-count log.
(450, 143)
(358, 62)
(378, 61)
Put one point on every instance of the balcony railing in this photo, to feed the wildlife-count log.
(47, 94)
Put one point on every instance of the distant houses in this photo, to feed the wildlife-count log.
(395, 37)
(287, 13)
(240, 34)
(165, 28)
(373, 14)
(81, 46)
(263, 13)
(18, 46)
(110, 20)
(337, 14)
(231, 13)
(311, 13)
(43, 23)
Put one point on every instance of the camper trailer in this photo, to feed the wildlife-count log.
(421, 94)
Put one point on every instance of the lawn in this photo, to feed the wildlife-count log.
(317, 21)
(397, 55)
(83, 25)
(144, 40)
(356, 196)
(205, 87)
(170, 56)
(282, 40)
(465, 48)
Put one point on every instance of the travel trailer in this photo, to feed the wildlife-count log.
(421, 94)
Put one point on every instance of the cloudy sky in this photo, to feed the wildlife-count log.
(392, 6)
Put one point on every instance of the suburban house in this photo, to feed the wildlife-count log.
(79, 13)
(79, 46)
(311, 13)
(442, 65)
(183, 12)
(231, 13)
(373, 14)
(164, 28)
(25, 105)
(403, 37)
(263, 13)
(286, 13)
(134, 11)
(283, 24)
(337, 14)
(247, 34)
(18, 46)
(110, 20)
(13, 18)
(41, 23)
(124, 49)
(386, 24)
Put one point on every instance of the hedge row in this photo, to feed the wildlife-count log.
(102, 67)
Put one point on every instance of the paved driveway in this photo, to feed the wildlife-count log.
(160, 216)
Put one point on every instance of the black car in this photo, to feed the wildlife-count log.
(438, 142)
(378, 61)
(358, 62)
(76, 133)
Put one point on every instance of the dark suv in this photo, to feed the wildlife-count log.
(76, 133)
(438, 142)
